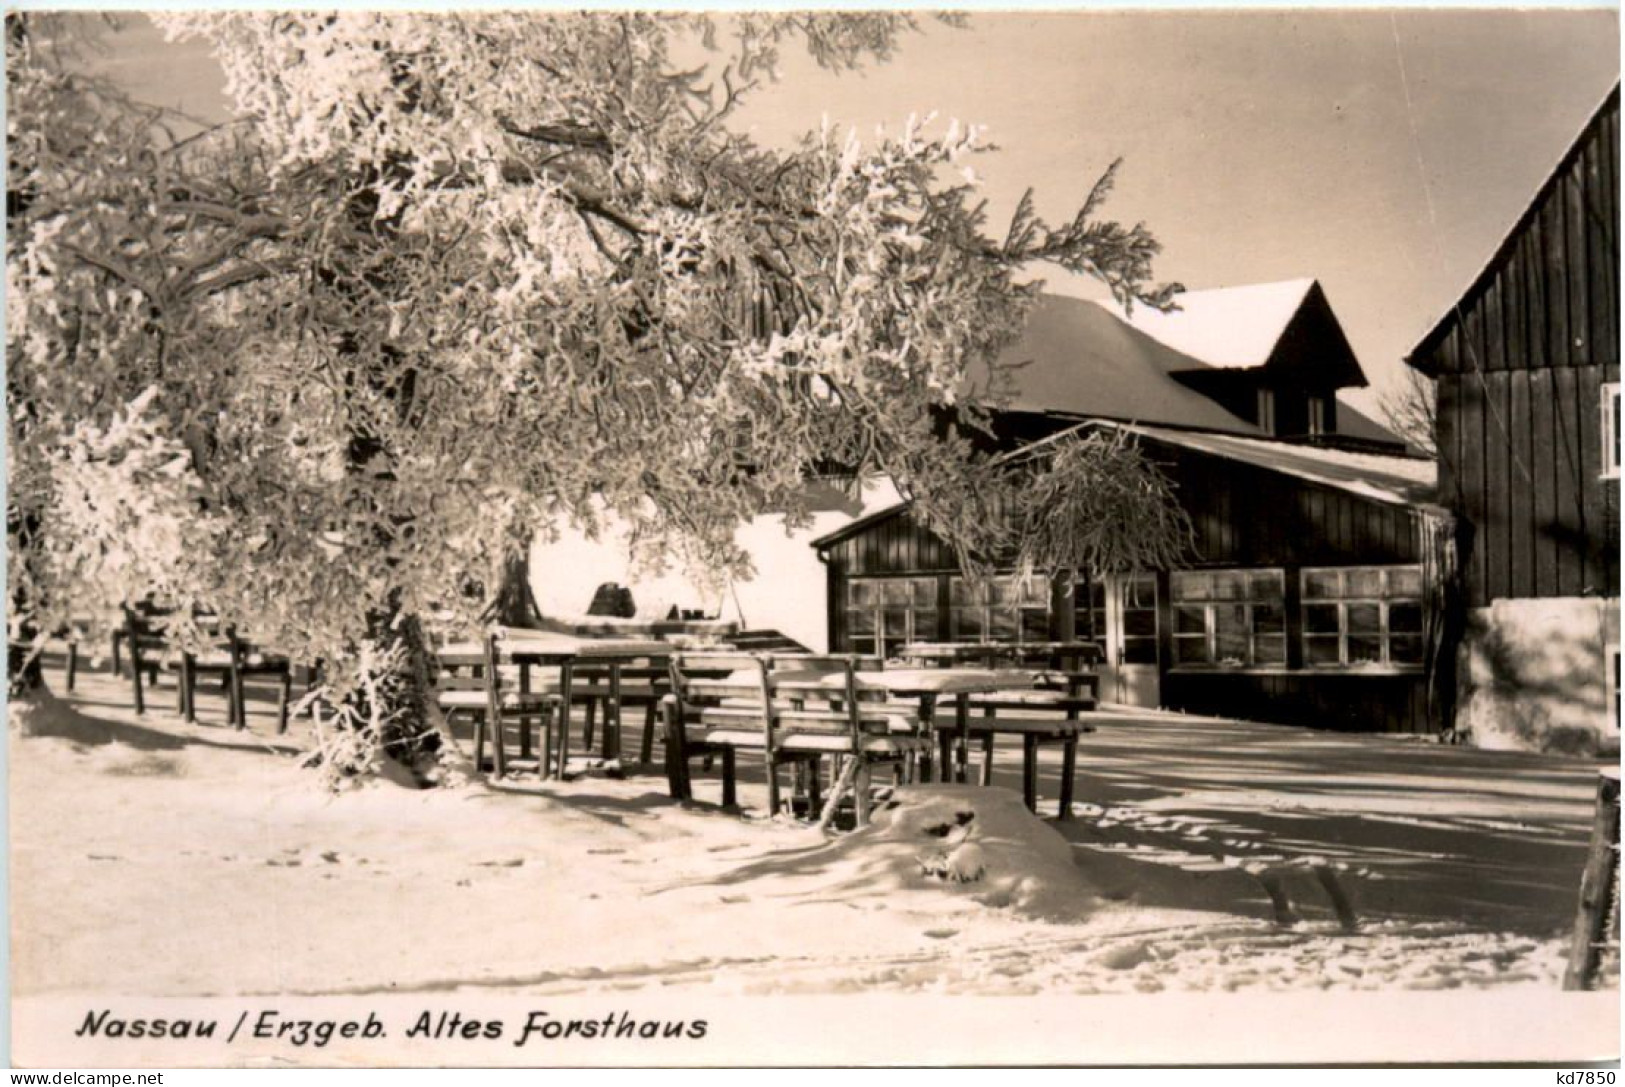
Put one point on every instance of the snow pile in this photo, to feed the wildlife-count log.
(972, 841)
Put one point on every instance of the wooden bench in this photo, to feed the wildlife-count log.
(1042, 717)
(614, 685)
(232, 659)
(476, 685)
(794, 710)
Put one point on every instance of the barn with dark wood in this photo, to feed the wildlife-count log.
(1307, 596)
(1526, 364)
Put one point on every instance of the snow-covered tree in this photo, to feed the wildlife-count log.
(460, 279)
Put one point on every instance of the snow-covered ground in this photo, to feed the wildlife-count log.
(153, 858)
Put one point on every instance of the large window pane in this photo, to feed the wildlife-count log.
(1321, 619)
(1190, 619)
(1004, 625)
(1405, 649)
(1405, 581)
(1267, 585)
(924, 592)
(1238, 606)
(1364, 582)
(896, 620)
(861, 593)
(1034, 625)
(1190, 586)
(1269, 649)
(1190, 650)
(967, 624)
(1230, 648)
(962, 591)
(860, 621)
(1322, 584)
(1139, 651)
(1321, 650)
(1365, 650)
(1005, 590)
(1405, 618)
(1230, 619)
(1269, 619)
(1364, 619)
(1140, 621)
(1381, 623)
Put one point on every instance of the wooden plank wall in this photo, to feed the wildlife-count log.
(1338, 701)
(1521, 461)
(1521, 364)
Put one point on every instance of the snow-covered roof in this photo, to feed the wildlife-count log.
(1231, 328)
(1078, 357)
(1393, 479)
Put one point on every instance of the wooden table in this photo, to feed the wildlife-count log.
(927, 686)
(1073, 654)
(565, 652)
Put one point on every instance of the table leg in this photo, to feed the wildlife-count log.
(961, 737)
(188, 708)
(524, 711)
(565, 668)
(612, 715)
(928, 729)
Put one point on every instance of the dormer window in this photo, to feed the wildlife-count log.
(1266, 410)
(1320, 416)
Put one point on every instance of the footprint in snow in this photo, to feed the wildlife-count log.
(513, 863)
(101, 857)
(941, 933)
(605, 852)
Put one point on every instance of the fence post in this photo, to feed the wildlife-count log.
(1599, 890)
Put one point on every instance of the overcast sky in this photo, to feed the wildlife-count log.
(1384, 153)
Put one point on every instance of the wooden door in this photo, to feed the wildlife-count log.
(1122, 615)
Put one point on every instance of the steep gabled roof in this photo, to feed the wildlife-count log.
(1286, 327)
(1231, 328)
(1420, 356)
(1078, 357)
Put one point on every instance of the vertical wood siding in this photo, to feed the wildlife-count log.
(1521, 361)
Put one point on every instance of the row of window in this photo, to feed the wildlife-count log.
(1353, 617)
(1359, 616)
(906, 609)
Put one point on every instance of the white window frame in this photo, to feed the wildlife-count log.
(877, 611)
(1385, 633)
(1610, 430)
(1025, 601)
(1210, 633)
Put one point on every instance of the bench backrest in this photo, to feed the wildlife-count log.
(475, 670)
(782, 695)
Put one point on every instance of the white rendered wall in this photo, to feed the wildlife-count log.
(1537, 674)
(788, 592)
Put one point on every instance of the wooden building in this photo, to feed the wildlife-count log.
(1526, 363)
(1306, 599)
